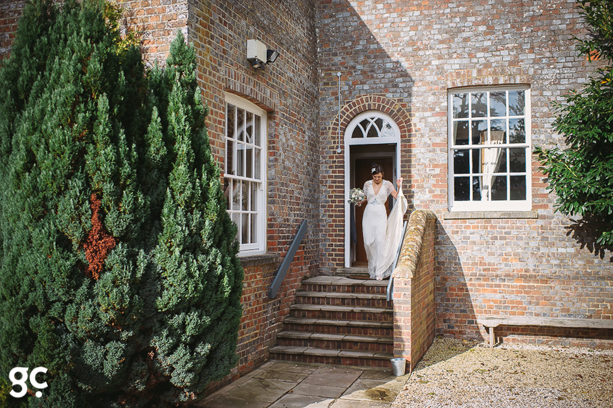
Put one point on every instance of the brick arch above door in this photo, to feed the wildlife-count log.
(395, 109)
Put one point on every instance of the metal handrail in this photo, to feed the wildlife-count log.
(283, 268)
(390, 284)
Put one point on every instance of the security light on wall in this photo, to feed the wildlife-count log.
(258, 54)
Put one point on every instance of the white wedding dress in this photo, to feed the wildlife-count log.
(382, 235)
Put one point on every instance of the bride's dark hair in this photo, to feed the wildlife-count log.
(375, 169)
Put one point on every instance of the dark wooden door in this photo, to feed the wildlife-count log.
(362, 174)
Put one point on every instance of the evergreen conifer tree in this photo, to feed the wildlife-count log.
(118, 267)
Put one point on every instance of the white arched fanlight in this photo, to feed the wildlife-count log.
(372, 127)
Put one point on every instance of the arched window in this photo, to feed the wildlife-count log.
(372, 127)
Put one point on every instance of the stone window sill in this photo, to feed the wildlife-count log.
(494, 215)
(259, 260)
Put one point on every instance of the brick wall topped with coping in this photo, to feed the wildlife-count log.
(413, 296)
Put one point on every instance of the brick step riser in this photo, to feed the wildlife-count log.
(357, 302)
(362, 362)
(337, 345)
(381, 290)
(331, 315)
(325, 329)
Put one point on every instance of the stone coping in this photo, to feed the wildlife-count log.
(489, 215)
(259, 260)
(409, 255)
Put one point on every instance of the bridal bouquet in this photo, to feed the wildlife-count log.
(356, 195)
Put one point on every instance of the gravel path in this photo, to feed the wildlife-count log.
(456, 373)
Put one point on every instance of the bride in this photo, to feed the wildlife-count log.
(381, 236)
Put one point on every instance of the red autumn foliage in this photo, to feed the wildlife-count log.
(99, 242)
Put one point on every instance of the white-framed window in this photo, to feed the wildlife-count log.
(245, 172)
(489, 149)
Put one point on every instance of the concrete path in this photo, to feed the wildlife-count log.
(282, 384)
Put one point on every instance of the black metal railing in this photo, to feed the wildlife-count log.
(284, 267)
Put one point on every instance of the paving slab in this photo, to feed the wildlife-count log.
(226, 401)
(288, 372)
(336, 376)
(373, 390)
(302, 401)
(328, 391)
(261, 390)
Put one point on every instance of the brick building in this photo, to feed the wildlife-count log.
(424, 87)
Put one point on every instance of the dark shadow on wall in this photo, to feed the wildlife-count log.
(455, 313)
(586, 231)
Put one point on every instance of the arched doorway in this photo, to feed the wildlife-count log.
(371, 136)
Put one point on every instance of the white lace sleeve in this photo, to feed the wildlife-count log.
(389, 186)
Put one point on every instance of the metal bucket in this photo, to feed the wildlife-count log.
(399, 366)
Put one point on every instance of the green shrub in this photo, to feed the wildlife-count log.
(581, 175)
(118, 268)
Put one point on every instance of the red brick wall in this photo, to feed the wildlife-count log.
(10, 11)
(287, 90)
(412, 53)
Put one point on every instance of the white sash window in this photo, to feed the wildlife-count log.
(245, 172)
(490, 149)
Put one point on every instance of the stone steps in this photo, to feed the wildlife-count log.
(355, 327)
(332, 356)
(338, 320)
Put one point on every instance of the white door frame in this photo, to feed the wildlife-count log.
(350, 161)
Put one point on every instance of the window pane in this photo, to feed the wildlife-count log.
(460, 105)
(460, 130)
(256, 130)
(236, 195)
(518, 187)
(517, 103)
(499, 188)
(254, 228)
(254, 196)
(240, 156)
(494, 161)
(476, 162)
(517, 160)
(236, 219)
(240, 124)
(227, 190)
(230, 157)
(461, 161)
(245, 195)
(478, 104)
(230, 124)
(479, 132)
(245, 229)
(477, 188)
(498, 103)
(257, 153)
(501, 161)
(249, 162)
(517, 131)
(461, 189)
(249, 128)
(373, 131)
(387, 130)
(498, 131)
